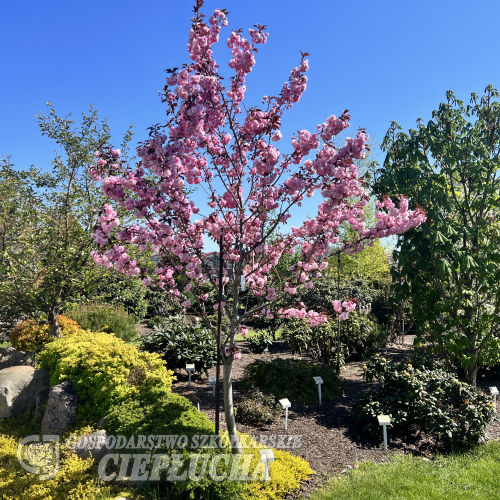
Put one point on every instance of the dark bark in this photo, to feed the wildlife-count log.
(54, 324)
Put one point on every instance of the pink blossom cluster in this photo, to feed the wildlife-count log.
(232, 350)
(343, 308)
(312, 317)
(333, 126)
(211, 141)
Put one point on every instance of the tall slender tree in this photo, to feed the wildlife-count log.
(211, 140)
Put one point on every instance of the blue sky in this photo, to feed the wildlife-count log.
(384, 61)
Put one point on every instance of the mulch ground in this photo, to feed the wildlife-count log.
(329, 441)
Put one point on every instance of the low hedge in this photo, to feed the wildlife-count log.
(292, 379)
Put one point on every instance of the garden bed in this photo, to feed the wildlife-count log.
(330, 442)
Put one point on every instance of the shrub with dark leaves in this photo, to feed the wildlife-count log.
(431, 401)
(292, 379)
(258, 409)
(259, 341)
(180, 342)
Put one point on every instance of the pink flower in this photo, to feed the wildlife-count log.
(252, 188)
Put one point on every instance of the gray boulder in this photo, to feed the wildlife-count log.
(12, 357)
(41, 400)
(92, 445)
(61, 409)
(19, 385)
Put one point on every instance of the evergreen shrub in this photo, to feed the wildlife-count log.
(105, 318)
(180, 342)
(427, 400)
(292, 379)
(104, 371)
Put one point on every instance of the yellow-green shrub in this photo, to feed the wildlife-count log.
(104, 371)
(31, 335)
(73, 481)
(167, 414)
(76, 479)
(286, 472)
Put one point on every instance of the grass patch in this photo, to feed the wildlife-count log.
(292, 379)
(251, 332)
(471, 476)
(4, 344)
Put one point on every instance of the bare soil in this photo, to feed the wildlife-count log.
(329, 440)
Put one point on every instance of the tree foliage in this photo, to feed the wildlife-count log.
(213, 140)
(450, 266)
(47, 219)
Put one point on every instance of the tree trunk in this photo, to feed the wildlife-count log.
(471, 375)
(54, 325)
(229, 408)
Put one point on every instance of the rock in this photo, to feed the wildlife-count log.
(41, 400)
(19, 385)
(12, 357)
(92, 445)
(61, 409)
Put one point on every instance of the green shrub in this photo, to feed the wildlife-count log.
(259, 341)
(319, 341)
(224, 324)
(123, 291)
(359, 338)
(31, 335)
(180, 342)
(433, 401)
(158, 321)
(205, 488)
(292, 379)
(257, 409)
(166, 413)
(271, 325)
(105, 318)
(104, 371)
(162, 304)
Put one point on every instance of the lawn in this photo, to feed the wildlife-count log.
(251, 332)
(475, 475)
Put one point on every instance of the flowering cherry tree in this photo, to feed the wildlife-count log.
(211, 140)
